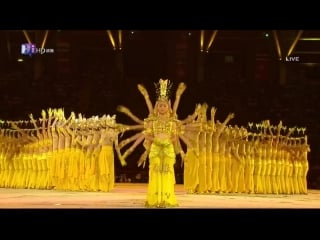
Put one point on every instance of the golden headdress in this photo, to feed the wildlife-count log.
(163, 89)
(109, 121)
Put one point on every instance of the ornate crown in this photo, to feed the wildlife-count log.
(109, 121)
(163, 89)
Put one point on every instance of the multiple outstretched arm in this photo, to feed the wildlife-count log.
(123, 157)
(146, 137)
(130, 139)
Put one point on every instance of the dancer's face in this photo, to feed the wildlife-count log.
(163, 107)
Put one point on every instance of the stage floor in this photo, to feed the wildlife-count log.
(132, 195)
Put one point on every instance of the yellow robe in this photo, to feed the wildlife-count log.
(161, 174)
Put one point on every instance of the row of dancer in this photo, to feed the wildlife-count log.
(53, 152)
(77, 153)
(226, 159)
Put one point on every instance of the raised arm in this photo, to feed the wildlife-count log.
(213, 114)
(126, 111)
(145, 94)
(34, 124)
(50, 114)
(192, 117)
(181, 88)
(224, 124)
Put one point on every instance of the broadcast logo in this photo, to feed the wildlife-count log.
(31, 49)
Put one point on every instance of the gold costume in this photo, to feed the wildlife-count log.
(161, 174)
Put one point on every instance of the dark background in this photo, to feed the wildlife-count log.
(241, 72)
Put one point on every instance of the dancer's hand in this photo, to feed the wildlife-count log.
(143, 90)
(123, 109)
(231, 116)
(143, 159)
(50, 113)
(43, 114)
(123, 162)
(181, 88)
